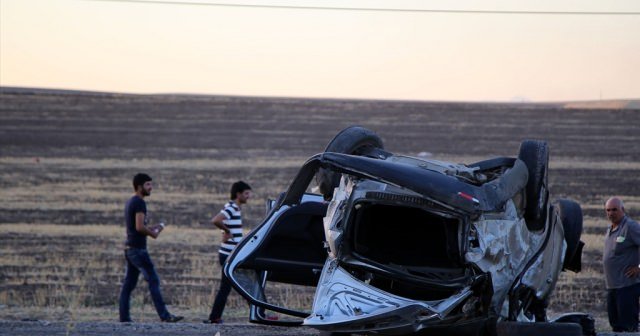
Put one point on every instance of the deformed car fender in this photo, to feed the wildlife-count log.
(504, 246)
(541, 276)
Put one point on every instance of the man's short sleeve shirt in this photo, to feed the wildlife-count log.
(621, 250)
(233, 220)
(134, 238)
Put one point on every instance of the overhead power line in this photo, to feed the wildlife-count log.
(370, 9)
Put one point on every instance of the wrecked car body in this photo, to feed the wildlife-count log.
(395, 244)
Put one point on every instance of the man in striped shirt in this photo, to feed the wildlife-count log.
(229, 220)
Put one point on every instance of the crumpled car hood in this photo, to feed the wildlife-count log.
(345, 303)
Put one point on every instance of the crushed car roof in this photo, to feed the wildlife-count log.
(443, 189)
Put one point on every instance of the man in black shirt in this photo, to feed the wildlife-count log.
(138, 260)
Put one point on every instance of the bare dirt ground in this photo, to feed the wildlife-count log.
(66, 160)
(30, 328)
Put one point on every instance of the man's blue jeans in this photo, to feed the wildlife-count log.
(623, 308)
(138, 261)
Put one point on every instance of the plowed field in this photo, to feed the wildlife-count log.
(67, 158)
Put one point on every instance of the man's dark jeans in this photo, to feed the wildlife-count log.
(623, 306)
(223, 293)
(138, 261)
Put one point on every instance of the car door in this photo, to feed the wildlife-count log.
(288, 247)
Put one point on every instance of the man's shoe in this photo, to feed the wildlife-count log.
(126, 321)
(215, 321)
(173, 319)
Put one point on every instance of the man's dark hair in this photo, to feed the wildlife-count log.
(238, 187)
(140, 179)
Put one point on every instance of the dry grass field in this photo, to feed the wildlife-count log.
(67, 158)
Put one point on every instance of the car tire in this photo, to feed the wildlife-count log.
(535, 155)
(571, 216)
(351, 140)
(508, 328)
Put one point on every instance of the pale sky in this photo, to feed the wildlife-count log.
(164, 48)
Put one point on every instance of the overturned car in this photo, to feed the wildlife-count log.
(398, 245)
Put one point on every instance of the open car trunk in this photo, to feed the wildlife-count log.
(418, 250)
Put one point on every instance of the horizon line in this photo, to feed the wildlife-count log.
(54, 90)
